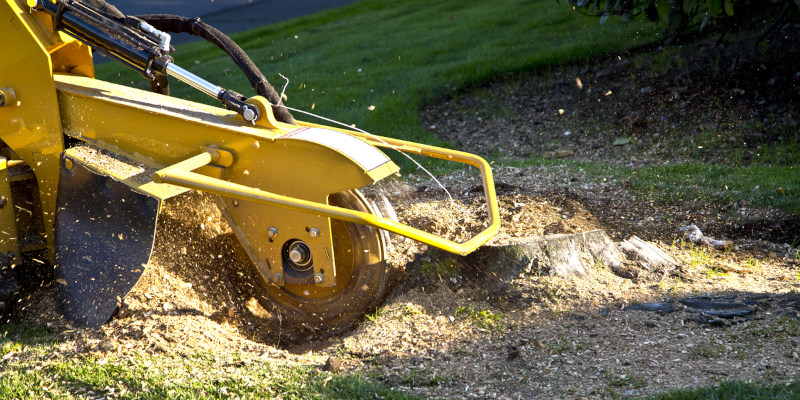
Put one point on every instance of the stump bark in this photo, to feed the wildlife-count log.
(561, 254)
(494, 267)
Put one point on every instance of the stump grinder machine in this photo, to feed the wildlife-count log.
(86, 165)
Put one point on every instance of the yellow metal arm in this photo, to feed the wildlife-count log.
(180, 174)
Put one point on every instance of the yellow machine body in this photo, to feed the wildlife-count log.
(273, 179)
(31, 123)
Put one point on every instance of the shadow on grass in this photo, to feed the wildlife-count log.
(15, 331)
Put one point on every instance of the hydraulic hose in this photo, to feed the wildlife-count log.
(194, 26)
(123, 38)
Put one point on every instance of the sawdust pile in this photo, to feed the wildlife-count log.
(198, 282)
(426, 206)
(197, 292)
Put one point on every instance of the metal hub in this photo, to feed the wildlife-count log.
(298, 255)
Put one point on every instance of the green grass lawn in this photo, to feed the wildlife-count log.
(395, 56)
(762, 185)
(32, 368)
(737, 390)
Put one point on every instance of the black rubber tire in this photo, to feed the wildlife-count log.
(364, 280)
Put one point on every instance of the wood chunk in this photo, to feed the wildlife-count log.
(693, 233)
(647, 255)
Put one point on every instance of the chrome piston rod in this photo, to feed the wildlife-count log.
(248, 112)
(194, 81)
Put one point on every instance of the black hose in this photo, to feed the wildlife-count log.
(193, 26)
(110, 10)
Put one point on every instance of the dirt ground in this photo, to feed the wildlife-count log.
(445, 335)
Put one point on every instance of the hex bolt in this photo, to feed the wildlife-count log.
(313, 233)
(277, 277)
(272, 232)
(319, 278)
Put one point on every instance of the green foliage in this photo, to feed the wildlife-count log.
(759, 185)
(678, 15)
(31, 368)
(410, 310)
(700, 257)
(375, 316)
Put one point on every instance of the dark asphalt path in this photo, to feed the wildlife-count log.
(229, 16)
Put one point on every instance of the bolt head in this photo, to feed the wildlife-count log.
(313, 233)
(296, 255)
(272, 232)
(319, 278)
(277, 277)
(249, 114)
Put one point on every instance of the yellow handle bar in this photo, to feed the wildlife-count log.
(181, 174)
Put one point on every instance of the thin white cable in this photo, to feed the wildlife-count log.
(393, 147)
(280, 99)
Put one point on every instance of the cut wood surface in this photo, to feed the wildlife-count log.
(647, 255)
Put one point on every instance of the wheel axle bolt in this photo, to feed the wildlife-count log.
(314, 233)
(277, 277)
(319, 278)
(272, 232)
(298, 255)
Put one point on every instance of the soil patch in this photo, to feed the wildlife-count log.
(715, 100)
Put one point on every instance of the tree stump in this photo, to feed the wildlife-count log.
(494, 266)
(561, 254)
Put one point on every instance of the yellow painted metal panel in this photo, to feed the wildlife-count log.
(168, 131)
(180, 174)
(31, 127)
(9, 241)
